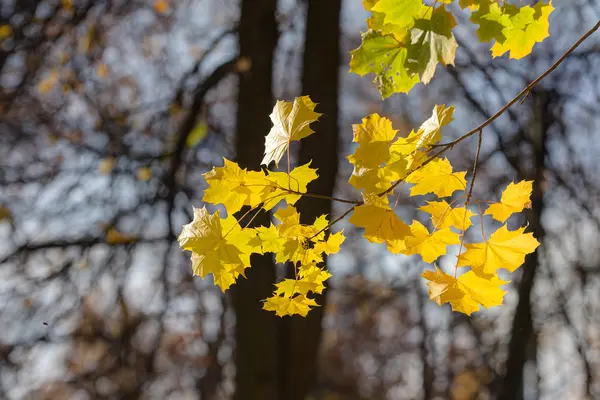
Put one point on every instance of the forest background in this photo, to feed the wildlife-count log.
(111, 111)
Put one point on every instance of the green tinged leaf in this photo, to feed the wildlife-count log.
(491, 21)
(431, 42)
(515, 29)
(384, 56)
(401, 13)
(406, 40)
(376, 21)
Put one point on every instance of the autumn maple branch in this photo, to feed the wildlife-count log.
(444, 147)
(528, 88)
(447, 146)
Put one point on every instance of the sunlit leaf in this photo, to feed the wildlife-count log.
(503, 250)
(515, 198)
(291, 122)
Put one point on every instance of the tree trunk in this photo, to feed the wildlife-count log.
(522, 326)
(320, 81)
(256, 330)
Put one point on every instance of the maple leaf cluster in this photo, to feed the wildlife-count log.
(405, 42)
(223, 246)
(408, 38)
(383, 160)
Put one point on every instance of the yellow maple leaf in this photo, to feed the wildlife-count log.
(528, 27)
(504, 249)
(282, 306)
(320, 225)
(234, 187)
(331, 245)
(376, 21)
(444, 216)
(223, 275)
(312, 273)
(303, 244)
(266, 240)
(371, 180)
(288, 287)
(437, 177)
(515, 198)
(311, 281)
(401, 164)
(442, 287)
(291, 121)
(379, 160)
(290, 221)
(240, 237)
(401, 13)
(280, 186)
(429, 246)
(381, 225)
(430, 131)
(214, 249)
(374, 137)
(299, 251)
(477, 291)
(466, 293)
(403, 152)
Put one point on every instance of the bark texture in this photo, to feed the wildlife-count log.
(522, 326)
(319, 80)
(256, 331)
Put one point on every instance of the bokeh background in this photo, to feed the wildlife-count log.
(111, 111)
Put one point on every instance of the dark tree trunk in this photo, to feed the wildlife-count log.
(320, 81)
(256, 330)
(522, 326)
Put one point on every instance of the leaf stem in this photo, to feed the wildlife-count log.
(481, 221)
(289, 166)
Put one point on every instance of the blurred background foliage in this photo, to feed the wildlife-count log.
(111, 111)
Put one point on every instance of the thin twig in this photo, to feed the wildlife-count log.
(481, 221)
(315, 195)
(527, 89)
(446, 146)
(321, 196)
(341, 217)
(468, 200)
